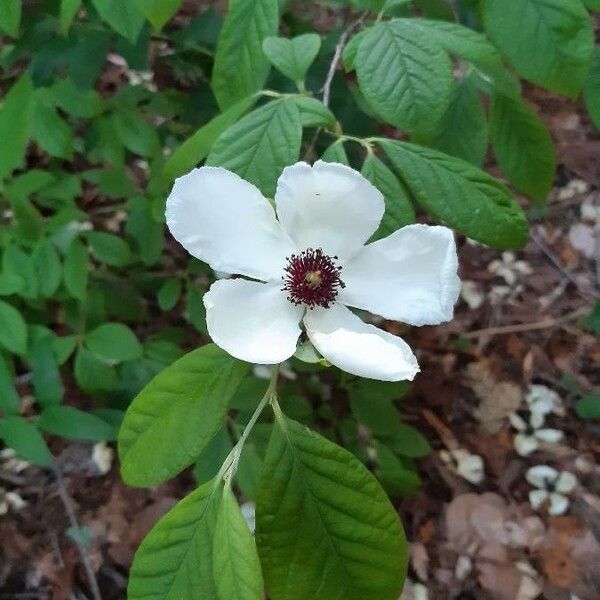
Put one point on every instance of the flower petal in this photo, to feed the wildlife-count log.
(517, 422)
(537, 498)
(361, 349)
(409, 276)
(252, 321)
(566, 482)
(225, 221)
(540, 475)
(525, 444)
(551, 436)
(328, 206)
(537, 419)
(559, 504)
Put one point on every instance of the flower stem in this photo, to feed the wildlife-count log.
(230, 464)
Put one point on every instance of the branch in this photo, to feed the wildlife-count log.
(70, 510)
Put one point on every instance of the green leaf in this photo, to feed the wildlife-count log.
(158, 12)
(405, 76)
(48, 266)
(466, 198)
(47, 382)
(114, 342)
(324, 523)
(68, 11)
(73, 424)
(93, 374)
(313, 113)
(293, 57)
(25, 440)
(588, 406)
(351, 50)
(146, 232)
(592, 321)
(174, 561)
(470, 46)
(13, 328)
(109, 248)
(67, 96)
(591, 89)
(9, 399)
(51, 132)
(463, 130)
(76, 269)
(549, 42)
(236, 568)
(398, 208)
(169, 293)
(195, 149)
(182, 408)
(10, 17)
(18, 263)
(240, 67)
(592, 4)
(522, 146)
(396, 477)
(123, 17)
(135, 132)
(195, 312)
(16, 119)
(260, 145)
(336, 154)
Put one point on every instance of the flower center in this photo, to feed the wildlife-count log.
(312, 278)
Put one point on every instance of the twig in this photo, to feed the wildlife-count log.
(521, 327)
(326, 89)
(448, 438)
(85, 559)
(541, 244)
(339, 48)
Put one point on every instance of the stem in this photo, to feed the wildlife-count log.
(230, 465)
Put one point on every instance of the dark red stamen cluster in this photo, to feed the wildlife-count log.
(312, 278)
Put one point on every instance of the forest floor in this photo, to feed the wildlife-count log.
(522, 321)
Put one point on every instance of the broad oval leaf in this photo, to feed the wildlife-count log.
(549, 42)
(71, 423)
(16, 120)
(174, 561)
(181, 409)
(465, 197)
(25, 439)
(292, 57)
(325, 528)
(158, 12)
(10, 16)
(13, 328)
(113, 341)
(463, 130)
(336, 153)
(470, 46)
(405, 76)
(236, 567)
(123, 17)
(76, 269)
(240, 67)
(522, 146)
(260, 145)
(398, 208)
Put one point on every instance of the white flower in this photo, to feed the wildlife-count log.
(542, 399)
(531, 434)
(469, 466)
(311, 263)
(552, 486)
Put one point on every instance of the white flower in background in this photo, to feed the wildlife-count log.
(543, 400)
(469, 466)
(509, 268)
(552, 486)
(531, 433)
(311, 264)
